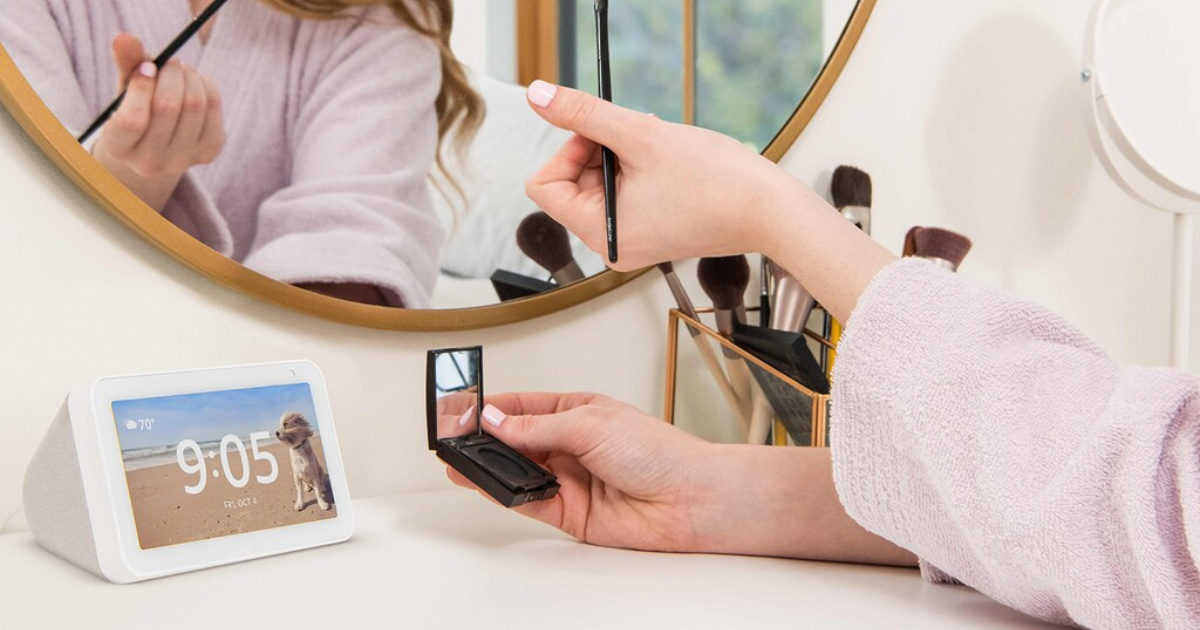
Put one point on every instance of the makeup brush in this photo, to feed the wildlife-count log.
(792, 303)
(706, 352)
(852, 195)
(548, 244)
(724, 280)
(607, 157)
(910, 242)
(764, 296)
(946, 248)
(161, 60)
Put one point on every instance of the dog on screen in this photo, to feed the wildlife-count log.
(295, 431)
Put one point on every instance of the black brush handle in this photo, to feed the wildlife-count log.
(161, 60)
(764, 298)
(604, 73)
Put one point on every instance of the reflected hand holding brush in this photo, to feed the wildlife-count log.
(167, 120)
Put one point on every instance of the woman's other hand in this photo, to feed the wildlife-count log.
(632, 481)
(169, 122)
(627, 480)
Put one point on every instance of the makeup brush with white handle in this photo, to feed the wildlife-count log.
(706, 352)
(725, 280)
(546, 242)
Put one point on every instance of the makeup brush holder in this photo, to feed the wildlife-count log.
(799, 415)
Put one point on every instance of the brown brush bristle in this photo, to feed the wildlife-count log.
(851, 187)
(545, 241)
(939, 243)
(910, 242)
(724, 280)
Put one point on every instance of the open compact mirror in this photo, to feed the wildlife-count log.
(350, 176)
(454, 403)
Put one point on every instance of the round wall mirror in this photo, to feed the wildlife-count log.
(331, 164)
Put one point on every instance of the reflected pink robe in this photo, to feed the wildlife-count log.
(331, 131)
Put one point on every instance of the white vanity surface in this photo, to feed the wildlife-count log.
(453, 560)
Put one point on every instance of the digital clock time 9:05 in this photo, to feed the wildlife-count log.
(228, 443)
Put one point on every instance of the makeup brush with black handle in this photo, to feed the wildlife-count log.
(684, 302)
(161, 60)
(725, 280)
(546, 242)
(946, 248)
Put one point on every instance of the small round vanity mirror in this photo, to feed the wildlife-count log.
(335, 158)
(1141, 91)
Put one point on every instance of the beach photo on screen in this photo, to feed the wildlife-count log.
(223, 463)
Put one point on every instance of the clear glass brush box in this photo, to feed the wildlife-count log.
(766, 388)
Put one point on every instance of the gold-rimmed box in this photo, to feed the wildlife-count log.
(807, 411)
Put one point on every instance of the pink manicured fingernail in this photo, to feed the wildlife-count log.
(148, 70)
(467, 417)
(542, 93)
(494, 416)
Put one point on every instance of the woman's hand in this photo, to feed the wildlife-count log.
(632, 481)
(685, 192)
(627, 480)
(169, 122)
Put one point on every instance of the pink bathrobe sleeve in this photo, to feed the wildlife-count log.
(363, 136)
(996, 442)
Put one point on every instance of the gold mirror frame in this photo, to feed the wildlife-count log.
(56, 142)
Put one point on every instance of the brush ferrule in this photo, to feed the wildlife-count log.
(739, 314)
(860, 216)
(791, 306)
(941, 262)
(568, 275)
(725, 321)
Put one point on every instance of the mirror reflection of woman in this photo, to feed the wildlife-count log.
(294, 136)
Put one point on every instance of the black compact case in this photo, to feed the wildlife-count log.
(453, 407)
(513, 286)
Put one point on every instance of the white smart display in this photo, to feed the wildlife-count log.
(189, 470)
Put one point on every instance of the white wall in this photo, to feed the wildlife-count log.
(967, 116)
(964, 113)
(473, 21)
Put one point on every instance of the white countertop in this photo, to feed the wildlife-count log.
(453, 560)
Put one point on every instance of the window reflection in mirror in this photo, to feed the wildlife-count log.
(739, 89)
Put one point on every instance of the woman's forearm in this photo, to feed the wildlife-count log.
(831, 257)
(773, 501)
